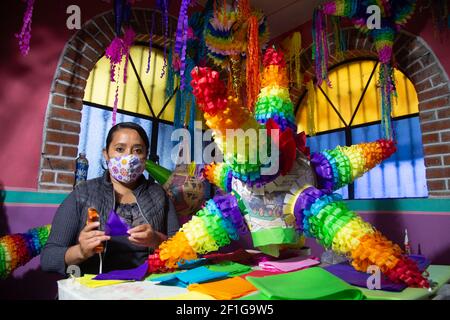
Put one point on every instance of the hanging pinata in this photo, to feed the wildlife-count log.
(277, 209)
(394, 15)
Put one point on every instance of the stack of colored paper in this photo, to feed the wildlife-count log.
(225, 289)
(233, 268)
(309, 284)
(196, 275)
(288, 265)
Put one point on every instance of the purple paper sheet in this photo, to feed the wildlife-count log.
(116, 225)
(136, 274)
(347, 273)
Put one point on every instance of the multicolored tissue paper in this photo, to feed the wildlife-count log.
(225, 289)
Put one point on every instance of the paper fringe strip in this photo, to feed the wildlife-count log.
(327, 218)
(342, 165)
(274, 101)
(214, 226)
(18, 249)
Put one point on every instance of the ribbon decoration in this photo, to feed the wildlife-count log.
(327, 218)
(342, 165)
(25, 33)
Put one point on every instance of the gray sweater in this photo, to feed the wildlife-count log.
(120, 253)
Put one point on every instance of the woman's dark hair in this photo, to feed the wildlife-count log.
(127, 125)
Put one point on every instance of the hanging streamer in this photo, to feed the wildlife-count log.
(252, 64)
(25, 33)
(320, 47)
(294, 60)
(150, 43)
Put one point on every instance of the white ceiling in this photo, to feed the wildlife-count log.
(284, 15)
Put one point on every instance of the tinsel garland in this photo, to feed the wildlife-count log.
(181, 39)
(252, 63)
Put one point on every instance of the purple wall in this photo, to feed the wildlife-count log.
(27, 282)
(429, 229)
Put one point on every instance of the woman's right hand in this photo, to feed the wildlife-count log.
(90, 238)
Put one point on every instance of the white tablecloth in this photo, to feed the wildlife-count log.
(69, 289)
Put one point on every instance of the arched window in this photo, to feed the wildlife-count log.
(349, 113)
(142, 99)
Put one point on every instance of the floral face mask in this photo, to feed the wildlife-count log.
(126, 169)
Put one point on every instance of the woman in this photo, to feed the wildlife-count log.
(142, 203)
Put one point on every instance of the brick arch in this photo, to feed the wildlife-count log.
(419, 63)
(63, 115)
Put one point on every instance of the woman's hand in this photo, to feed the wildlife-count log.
(144, 235)
(90, 238)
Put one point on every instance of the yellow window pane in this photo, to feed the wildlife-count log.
(348, 83)
(101, 91)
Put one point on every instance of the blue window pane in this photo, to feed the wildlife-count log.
(403, 174)
(95, 124)
(328, 141)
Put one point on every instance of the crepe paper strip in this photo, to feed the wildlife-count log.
(18, 249)
(88, 281)
(233, 268)
(25, 33)
(209, 91)
(225, 289)
(304, 201)
(274, 100)
(196, 275)
(176, 249)
(226, 224)
(288, 265)
(213, 224)
(115, 225)
(347, 238)
(190, 295)
(376, 249)
(252, 63)
(229, 208)
(323, 171)
(309, 284)
(342, 165)
(198, 237)
(136, 274)
(219, 174)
